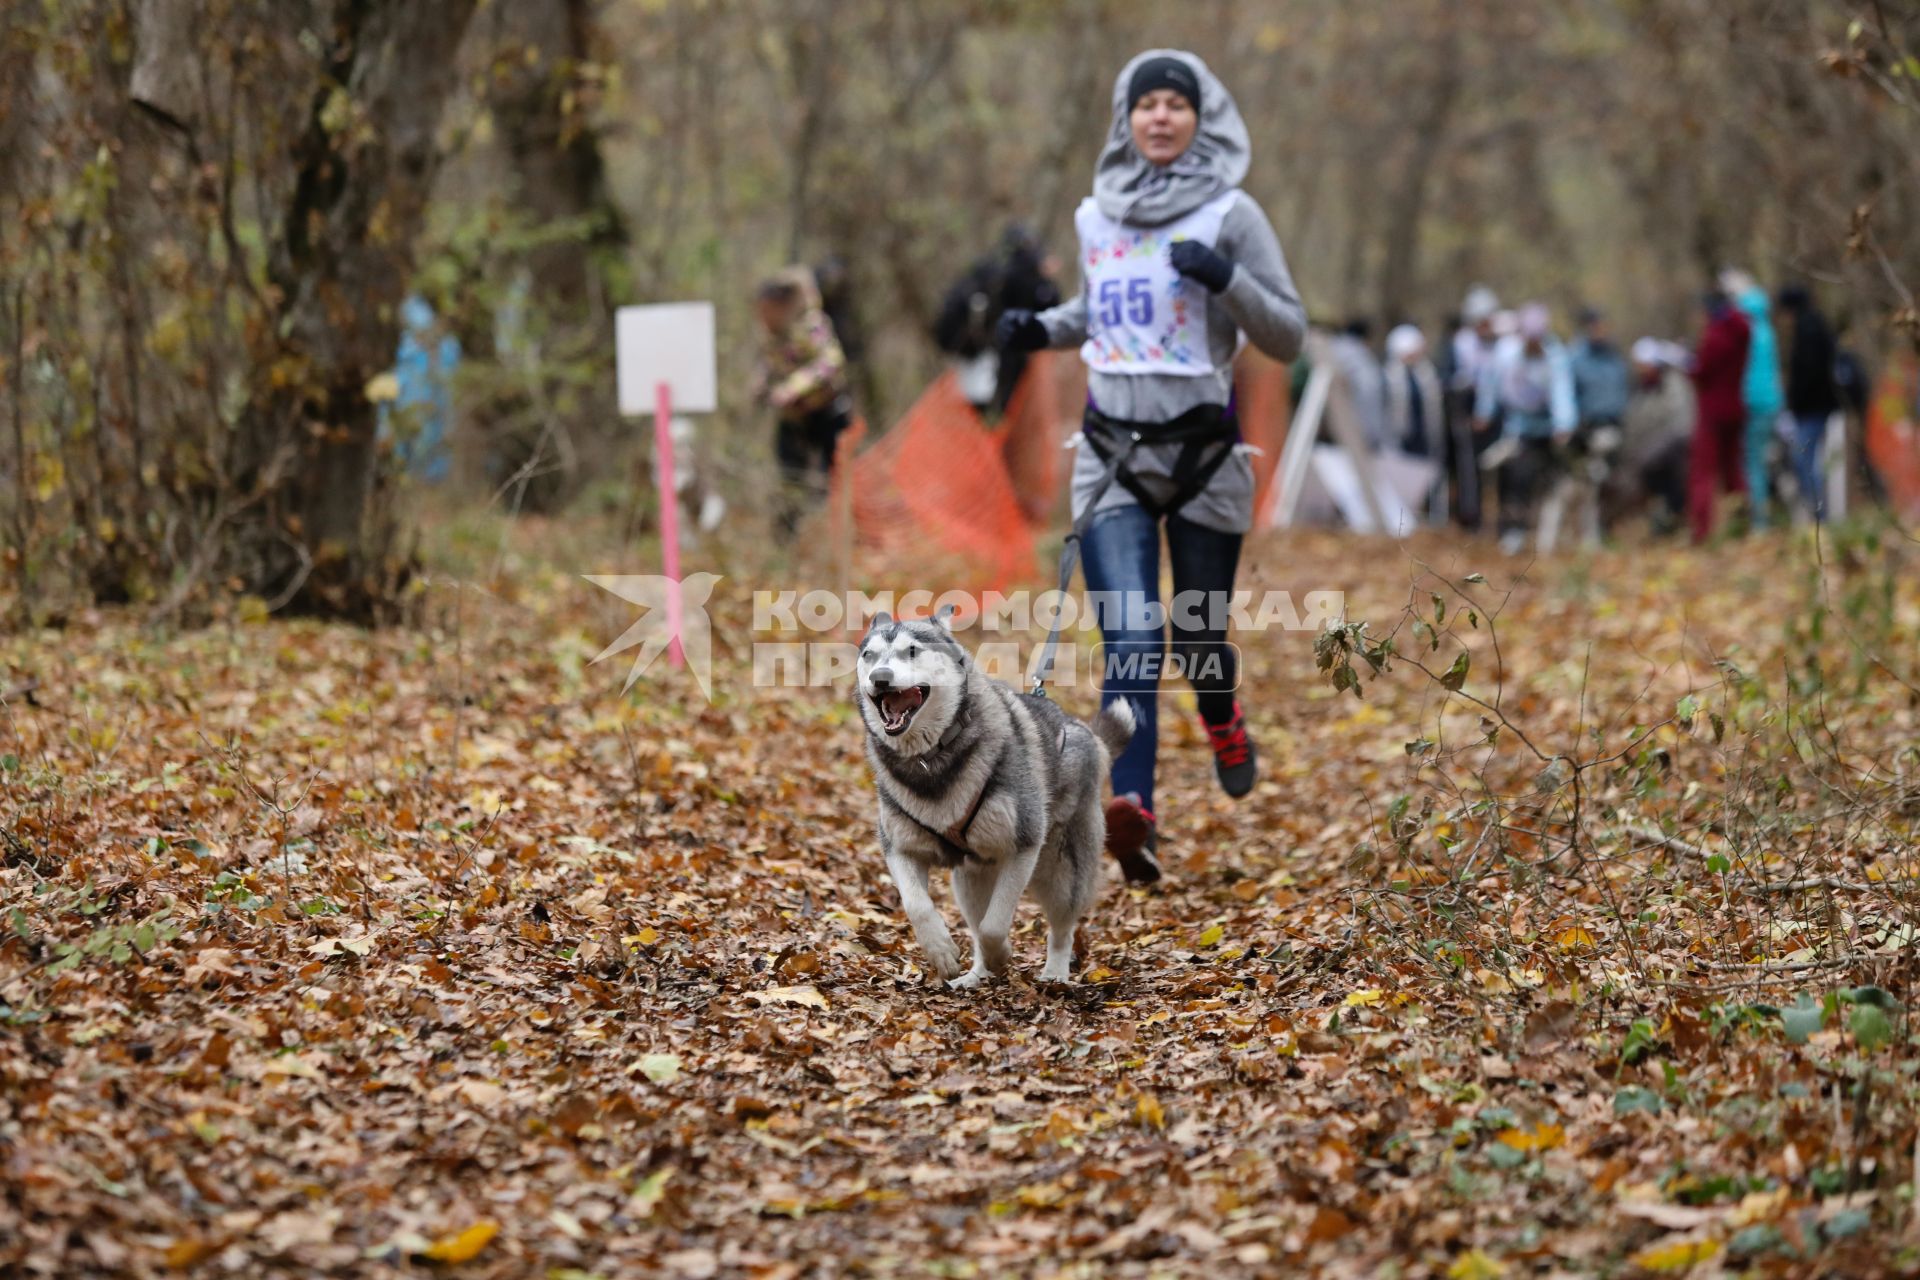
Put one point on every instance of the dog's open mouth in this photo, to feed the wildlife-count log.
(898, 707)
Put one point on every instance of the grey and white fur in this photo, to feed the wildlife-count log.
(1002, 787)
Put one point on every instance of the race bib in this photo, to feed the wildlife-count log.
(1142, 315)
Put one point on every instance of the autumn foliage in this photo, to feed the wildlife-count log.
(336, 952)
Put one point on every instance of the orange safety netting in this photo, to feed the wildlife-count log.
(942, 482)
(1264, 389)
(1893, 442)
(938, 483)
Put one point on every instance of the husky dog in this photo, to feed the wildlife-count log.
(1002, 787)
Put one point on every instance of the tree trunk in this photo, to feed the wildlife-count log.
(554, 148)
(363, 167)
(16, 90)
(1359, 232)
(810, 53)
(543, 102)
(1406, 207)
(163, 79)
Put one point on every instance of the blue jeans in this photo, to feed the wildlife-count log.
(1809, 438)
(1120, 556)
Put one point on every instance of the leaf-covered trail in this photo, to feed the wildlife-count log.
(349, 954)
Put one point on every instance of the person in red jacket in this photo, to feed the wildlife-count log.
(1719, 368)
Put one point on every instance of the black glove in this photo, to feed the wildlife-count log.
(1020, 331)
(1197, 262)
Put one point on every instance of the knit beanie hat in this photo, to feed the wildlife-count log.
(1164, 73)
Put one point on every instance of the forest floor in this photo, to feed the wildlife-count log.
(333, 952)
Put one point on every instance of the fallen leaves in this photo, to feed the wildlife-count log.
(578, 1009)
(1475, 1264)
(210, 962)
(1575, 939)
(184, 1253)
(359, 946)
(647, 1194)
(1676, 1256)
(1551, 1023)
(482, 1093)
(661, 1068)
(1532, 1141)
(464, 1245)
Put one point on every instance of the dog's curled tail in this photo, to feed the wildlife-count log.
(1114, 725)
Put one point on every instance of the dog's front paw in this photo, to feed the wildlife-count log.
(1053, 972)
(943, 954)
(970, 979)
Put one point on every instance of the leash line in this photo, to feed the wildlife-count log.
(1070, 556)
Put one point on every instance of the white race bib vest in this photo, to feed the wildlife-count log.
(1142, 315)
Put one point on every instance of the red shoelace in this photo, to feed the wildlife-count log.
(1229, 740)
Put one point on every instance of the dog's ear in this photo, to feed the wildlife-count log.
(945, 618)
(881, 619)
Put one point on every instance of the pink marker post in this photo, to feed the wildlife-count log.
(667, 348)
(669, 513)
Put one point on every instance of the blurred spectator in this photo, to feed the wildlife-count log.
(1719, 433)
(1017, 276)
(1528, 386)
(1467, 354)
(1601, 386)
(1813, 393)
(834, 278)
(424, 368)
(1601, 380)
(1357, 366)
(1854, 383)
(1415, 413)
(1761, 391)
(1473, 344)
(802, 378)
(1656, 433)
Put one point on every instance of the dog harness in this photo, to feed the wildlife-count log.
(956, 835)
(953, 841)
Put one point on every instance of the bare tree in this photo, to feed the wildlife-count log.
(240, 360)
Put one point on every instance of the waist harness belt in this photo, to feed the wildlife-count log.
(1206, 434)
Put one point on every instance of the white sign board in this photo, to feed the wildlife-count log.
(671, 343)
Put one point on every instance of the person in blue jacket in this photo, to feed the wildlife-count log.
(1762, 390)
(424, 369)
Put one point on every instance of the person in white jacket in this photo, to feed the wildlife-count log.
(1528, 387)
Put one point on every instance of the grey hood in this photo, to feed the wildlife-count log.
(1129, 189)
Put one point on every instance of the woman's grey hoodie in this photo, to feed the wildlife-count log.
(1259, 301)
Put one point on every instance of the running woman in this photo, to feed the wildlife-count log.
(1177, 266)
